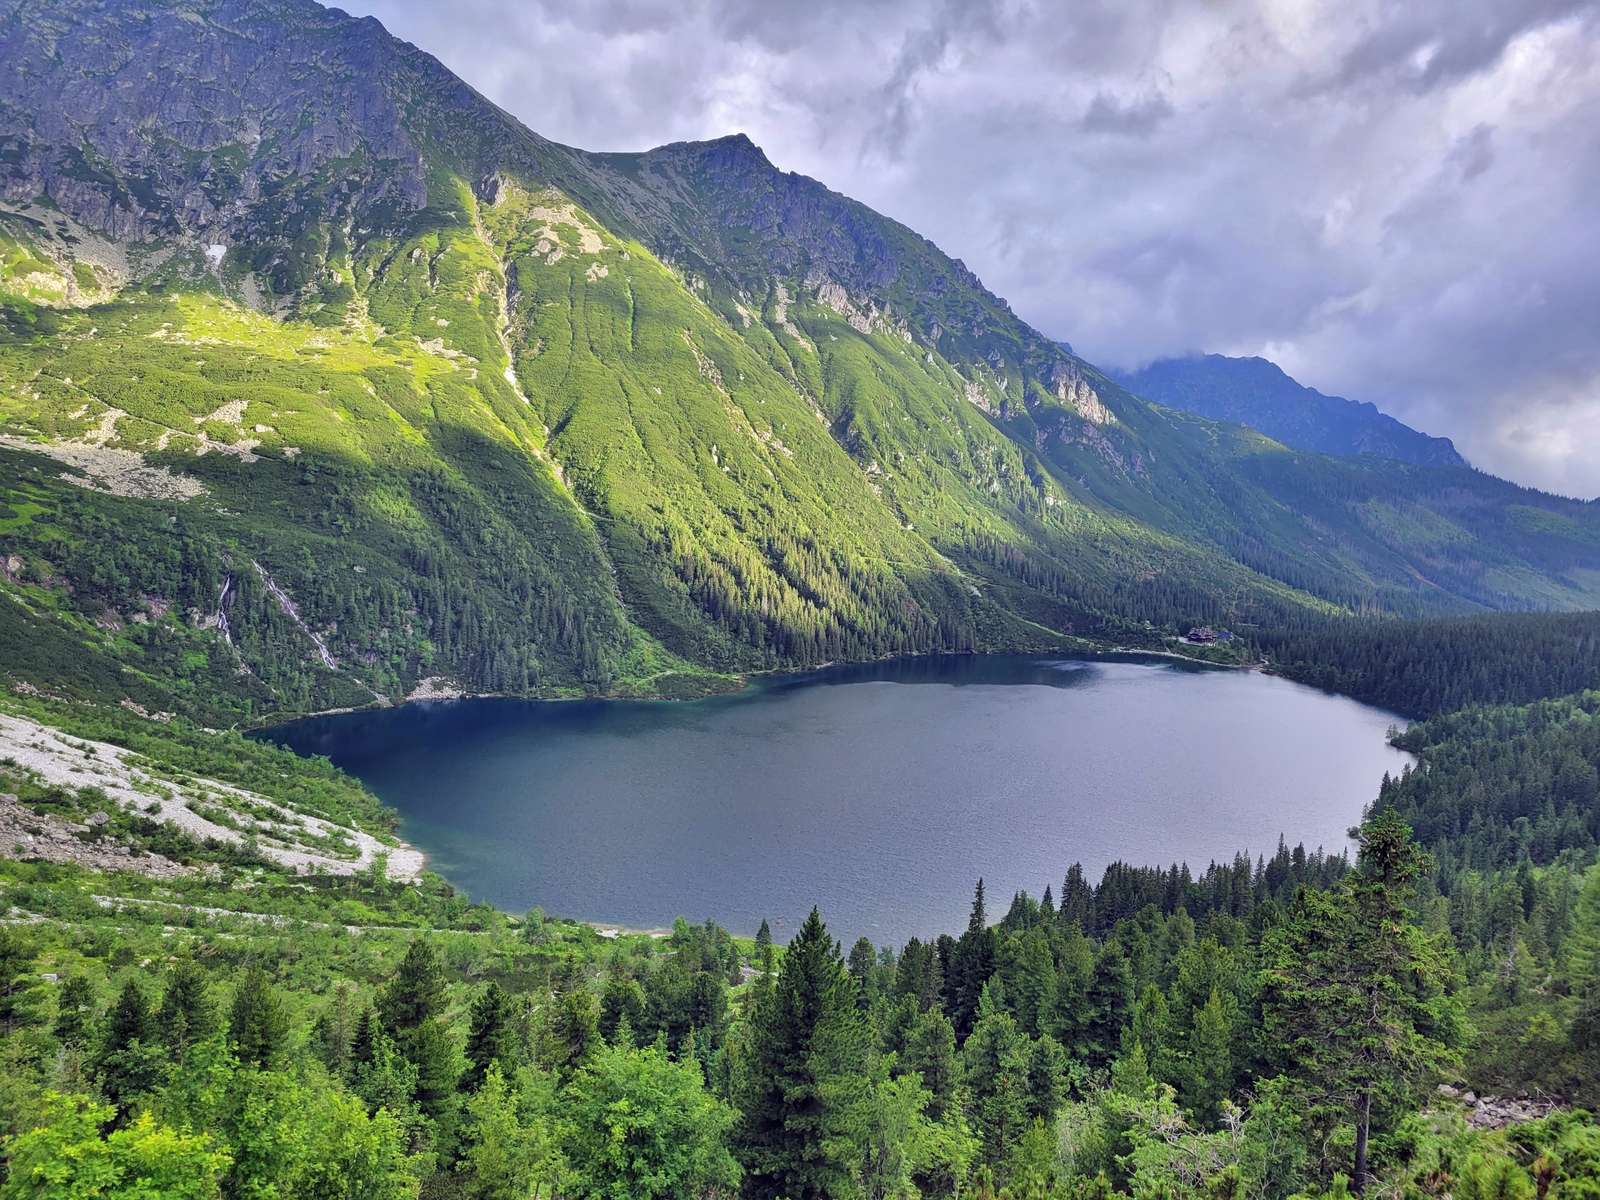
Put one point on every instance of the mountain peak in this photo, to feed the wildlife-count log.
(1258, 392)
(730, 150)
(738, 141)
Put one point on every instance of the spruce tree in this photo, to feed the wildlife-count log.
(489, 1035)
(996, 1061)
(363, 1038)
(1106, 1007)
(1076, 906)
(574, 1030)
(793, 1139)
(415, 994)
(438, 1062)
(334, 1033)
(1030, 973)
(863, 966)
(972, 965)
(1583, 975)
(74, 1012)
(129, 1019)
(1583, 944)
(623, 1002)
(1047, 1078)
(128, 1060)
(17, 980)
(1357, 1002)
(1208, 1067)
(187, 1014)
(258, 1025)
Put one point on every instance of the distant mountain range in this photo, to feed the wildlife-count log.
(1257, 393)
(322, 378)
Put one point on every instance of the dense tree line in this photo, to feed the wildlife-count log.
(1269, 1027)
(1504, 783)
(1272, 1043)
(1233, 888)
(1423, 667)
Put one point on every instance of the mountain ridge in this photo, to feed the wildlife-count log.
(1255, 391)
(499, 412)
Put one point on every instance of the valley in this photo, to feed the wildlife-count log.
(410, 524)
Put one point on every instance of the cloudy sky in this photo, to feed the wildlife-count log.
(1398, 202)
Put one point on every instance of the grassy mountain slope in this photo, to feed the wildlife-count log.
(320, 378)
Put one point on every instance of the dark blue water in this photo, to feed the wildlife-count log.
(880, 793)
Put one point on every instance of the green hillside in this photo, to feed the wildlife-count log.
(408, 396)
(324, 383)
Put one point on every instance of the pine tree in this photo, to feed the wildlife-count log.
(1035, 1168)
(793, 1140)
(416, 993)
(1356, 998)
(74, 1012)
(489, 1035)
(187, 1014)
(1151, 1026)
(996, 1061)
(642, 1125)
(258, 1025)
(382, 1076)
(931, 1052)
(511, 1146)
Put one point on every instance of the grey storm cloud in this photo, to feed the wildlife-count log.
(1107, 114)
(1395, 202)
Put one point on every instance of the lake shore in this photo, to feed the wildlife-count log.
(829, 786)
(435, 690)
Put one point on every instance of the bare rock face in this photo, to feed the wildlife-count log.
(1497, 1112)
(1072, 387)
(26, 834)
(286, 132)
(209, 119)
